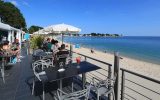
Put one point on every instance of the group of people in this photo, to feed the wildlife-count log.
(50, 45)
(8, 49)
(53, 46)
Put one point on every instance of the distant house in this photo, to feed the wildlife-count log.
(10, 33)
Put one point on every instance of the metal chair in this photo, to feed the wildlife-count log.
(37, 51)
(39, 73)
(78, 95)
(103, 87)
(61, 60)
(49, 61)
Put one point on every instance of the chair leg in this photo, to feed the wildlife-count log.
(2, 74)
(72, 86)
(113, 95)
(2, 71)
(43, 90)
(98, 95)
(33, 86)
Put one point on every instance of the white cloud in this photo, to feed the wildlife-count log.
(14, 2)
(25, 3)
(18, 2)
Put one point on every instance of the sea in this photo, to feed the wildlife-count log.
(145, 48)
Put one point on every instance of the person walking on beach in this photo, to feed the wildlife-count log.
(92, 51)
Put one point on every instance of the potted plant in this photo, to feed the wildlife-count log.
(36, 42)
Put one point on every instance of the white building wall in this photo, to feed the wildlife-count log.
(9, 36)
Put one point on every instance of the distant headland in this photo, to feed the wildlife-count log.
(98, 35)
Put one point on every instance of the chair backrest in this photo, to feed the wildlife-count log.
(37, 51)
(107, 82)
(82, 94)
(61, 57)
(48, 60)
(38, 67)
(77, 95)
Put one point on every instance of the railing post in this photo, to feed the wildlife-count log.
(110, 77)
(71, 53)
(62, 37)
(122, 85)
(85, 58)
(84, 76)
(116, 72)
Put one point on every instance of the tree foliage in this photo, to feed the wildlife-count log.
(33, 29)
(11, 15)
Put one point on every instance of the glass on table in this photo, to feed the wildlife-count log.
(78, 60)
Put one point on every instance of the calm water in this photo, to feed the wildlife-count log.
(142, 48)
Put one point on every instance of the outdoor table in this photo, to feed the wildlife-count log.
(3, 64)
(53, 74)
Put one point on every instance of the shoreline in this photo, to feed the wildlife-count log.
(139, 66)
(131, 49)
(112, 53)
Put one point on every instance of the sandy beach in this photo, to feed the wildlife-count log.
(141, 67)
(146, 68)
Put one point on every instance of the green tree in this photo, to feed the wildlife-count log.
(93, 34)
(107, 34)
(34, 28)
(11, 15)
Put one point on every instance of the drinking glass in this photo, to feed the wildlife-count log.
(78, 60)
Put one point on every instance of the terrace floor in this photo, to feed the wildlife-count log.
(19, 78)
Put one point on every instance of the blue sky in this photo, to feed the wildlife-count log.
(127, 17)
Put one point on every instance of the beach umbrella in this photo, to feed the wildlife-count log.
(40, 32)
(62, 29)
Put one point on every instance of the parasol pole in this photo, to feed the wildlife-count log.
(62, 38)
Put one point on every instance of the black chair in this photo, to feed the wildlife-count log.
(61, 58)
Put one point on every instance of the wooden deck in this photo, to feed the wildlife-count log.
(19, 83)
(19, 78)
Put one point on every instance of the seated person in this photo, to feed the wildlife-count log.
(55, 48)
(16, 48)
(61, 56)
(5, 49)
(49, 45)
(62, 50)
(52, 42)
